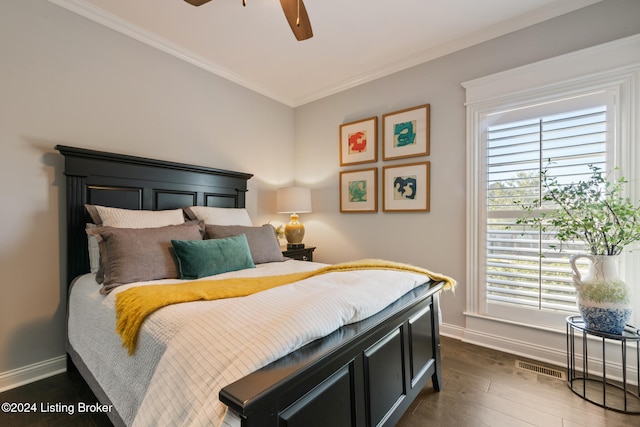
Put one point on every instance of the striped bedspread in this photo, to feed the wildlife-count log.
(188, 352)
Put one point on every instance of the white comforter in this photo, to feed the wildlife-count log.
(187, 352)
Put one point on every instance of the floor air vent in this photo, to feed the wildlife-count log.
(542, 370)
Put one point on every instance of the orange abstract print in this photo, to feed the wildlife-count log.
(357, 142)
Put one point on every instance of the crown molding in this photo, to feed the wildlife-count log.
(89, 11)
(93, 13)
(535, 17)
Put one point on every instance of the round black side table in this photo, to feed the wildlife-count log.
(620, 396)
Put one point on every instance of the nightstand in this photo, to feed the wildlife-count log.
(304, 254)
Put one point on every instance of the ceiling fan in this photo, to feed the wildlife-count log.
(295, 12)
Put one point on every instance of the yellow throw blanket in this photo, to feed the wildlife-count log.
(135, 304)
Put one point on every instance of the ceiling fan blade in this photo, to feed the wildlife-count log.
(197, 2)
(298, 19)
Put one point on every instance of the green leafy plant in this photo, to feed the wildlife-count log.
(594, 211)
(279, 230)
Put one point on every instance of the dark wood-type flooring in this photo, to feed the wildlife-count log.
(482, 387)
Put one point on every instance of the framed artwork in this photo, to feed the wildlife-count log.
(359, 142)
(406, 133)
(359, 191)
(405, 188)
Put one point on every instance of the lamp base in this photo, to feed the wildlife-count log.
(294, 231)
(295, 245)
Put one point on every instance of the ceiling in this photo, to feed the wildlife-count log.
(354, 41)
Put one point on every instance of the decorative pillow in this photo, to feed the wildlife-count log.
(263, 242)
(139, 254)
(104, 216)
(201, 258)
(219, 216)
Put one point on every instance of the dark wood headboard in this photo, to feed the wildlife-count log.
(130, 182)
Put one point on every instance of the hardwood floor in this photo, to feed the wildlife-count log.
(482, 387)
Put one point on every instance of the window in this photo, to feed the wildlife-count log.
(522, 269)
(561, 115)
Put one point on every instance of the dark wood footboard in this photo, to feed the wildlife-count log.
(364, 374)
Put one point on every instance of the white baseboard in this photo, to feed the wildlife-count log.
(506, 345)
(528, 349)
(31, 373)
(452, 331)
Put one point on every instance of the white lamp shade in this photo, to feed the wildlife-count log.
(293, 200)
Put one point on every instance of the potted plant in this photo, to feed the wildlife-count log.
(279, 230)
(596, 212)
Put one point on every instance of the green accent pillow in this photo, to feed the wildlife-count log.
(201, 258)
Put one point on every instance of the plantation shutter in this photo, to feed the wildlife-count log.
(521, 268)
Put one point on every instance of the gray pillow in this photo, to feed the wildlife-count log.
(263, 242)
(139, 254)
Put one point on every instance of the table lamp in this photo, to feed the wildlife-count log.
(294, 200)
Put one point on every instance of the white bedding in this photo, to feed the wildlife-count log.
(187, 352)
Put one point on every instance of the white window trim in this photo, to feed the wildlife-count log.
(612, 66)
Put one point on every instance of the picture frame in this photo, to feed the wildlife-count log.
(406, 187)
(359, 191)
(359, 142)
(406, 133)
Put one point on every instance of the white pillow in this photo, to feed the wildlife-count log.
(104, 216)
(94, 250)
(219, 216)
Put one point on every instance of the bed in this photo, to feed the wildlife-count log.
(364, 373)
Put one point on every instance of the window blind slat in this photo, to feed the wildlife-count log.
(518, 271)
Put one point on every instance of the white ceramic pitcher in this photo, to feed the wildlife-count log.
(604, 300)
